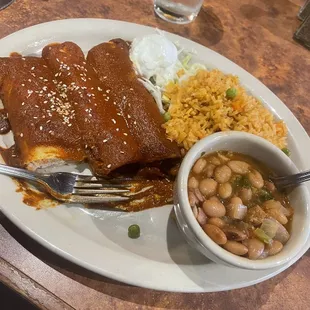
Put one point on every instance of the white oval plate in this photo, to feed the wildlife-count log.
(160, 259)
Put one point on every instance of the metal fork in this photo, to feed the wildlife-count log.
(291, 180)
(71, 187)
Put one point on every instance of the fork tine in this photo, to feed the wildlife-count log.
(99, 185)
(92, 178)
(96, 199)
(78, 191)
(89, 178)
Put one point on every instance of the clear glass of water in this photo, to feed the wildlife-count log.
(177, 11)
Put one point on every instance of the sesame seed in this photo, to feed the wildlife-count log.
(36, 105)
(86, 146)
(23, 84)
(124, 97)
(122, 152)
(99, 88)
(135, 122)
(128, 116)
(130, 88)
(48, 121)
(114, 103)
(105, 77)
(125, 134)
(57, 59)
(21, 135)
(105, 140)
(117, 129)
(69, 125)
(32, 68)
(41, 127)
(23, 103)
(109, 166)
(107, 91)
(113, 120)
(125, 142)
(35, 117)
(107, 54)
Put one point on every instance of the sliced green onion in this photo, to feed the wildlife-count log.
(231, 93)
(167, 116)
(261, 235)
(286, 151)
(134, 231)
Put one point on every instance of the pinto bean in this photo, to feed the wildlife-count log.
(216, 221)
(255, 248)
(208, 187)
(245, 194)
(193, 182)
(225, 190)
(213, 208)
(222, 174)
(238, 166)
(199, 165)
(256, 179)
(209, 170)
(215, 233)
(274, 248)
(235, 247)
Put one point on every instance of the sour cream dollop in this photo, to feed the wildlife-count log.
(155, 56)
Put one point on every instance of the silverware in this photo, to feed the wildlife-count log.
(291, 180)
(77, 188)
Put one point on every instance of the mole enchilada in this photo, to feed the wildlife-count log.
(61, 109)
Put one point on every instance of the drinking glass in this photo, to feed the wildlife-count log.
(177, 11)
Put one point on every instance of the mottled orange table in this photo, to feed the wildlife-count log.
(257, 35)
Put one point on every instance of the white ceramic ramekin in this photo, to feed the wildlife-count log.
(274, 158)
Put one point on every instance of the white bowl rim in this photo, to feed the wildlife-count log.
(218, 251)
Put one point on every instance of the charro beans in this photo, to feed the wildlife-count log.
(237, 205)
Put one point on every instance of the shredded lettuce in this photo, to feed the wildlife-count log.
(155, 92)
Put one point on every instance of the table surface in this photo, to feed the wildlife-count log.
(255, 34)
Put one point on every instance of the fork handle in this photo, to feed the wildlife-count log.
(18, 173)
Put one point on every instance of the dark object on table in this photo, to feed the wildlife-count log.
(12, 300)
(5, 3)
(302, 35)
(304, 11)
